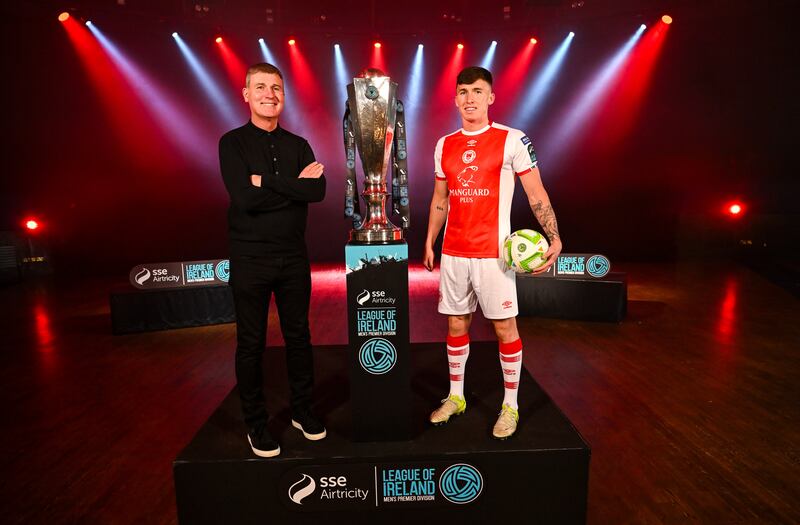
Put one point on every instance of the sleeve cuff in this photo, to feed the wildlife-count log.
(524, 172)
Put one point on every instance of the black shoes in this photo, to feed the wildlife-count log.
(311, 427)
(262, 443)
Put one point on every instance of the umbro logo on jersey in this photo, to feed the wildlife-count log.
(472, 143)
(507, 305)
(468, 156)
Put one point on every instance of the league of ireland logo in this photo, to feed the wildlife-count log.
(598, 266)
(223, 270)
(461, 483)
(377, 356)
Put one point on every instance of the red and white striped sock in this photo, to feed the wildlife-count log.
(511, 364)
(457, 354)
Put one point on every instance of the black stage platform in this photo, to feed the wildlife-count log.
(455, 472)
(134, 311)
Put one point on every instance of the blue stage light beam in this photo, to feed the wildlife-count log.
(167, 114)
(266, 53)
(342, 76)
(544, 81)
(486, 61)
(221, 103)
(590, 100)
(413, 99)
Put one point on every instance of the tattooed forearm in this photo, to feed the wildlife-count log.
(547, 218)
(440, 208)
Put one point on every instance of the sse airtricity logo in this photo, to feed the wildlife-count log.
(302, 489)
(461, 483)
(363, 297)
(598, 266)
(223, 270)
(377, 356)
(143, 275)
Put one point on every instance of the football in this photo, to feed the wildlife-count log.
(524, 250)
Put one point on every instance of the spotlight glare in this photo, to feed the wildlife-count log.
(88, 22)
(534, 41)
(735, 209)
(174, 34)
(336, 46)
(292, 41)
(460, 45)
(63, 17)
(571, 34)
(420, 46)
(260, 40)
(494, 42)
(218, 40)
(377, 45)
(666, 19)
(31, 224)
(642, 26)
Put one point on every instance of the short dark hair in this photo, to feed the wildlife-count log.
(470, 74)
(261, 67)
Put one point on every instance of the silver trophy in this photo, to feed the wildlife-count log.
(374, 125)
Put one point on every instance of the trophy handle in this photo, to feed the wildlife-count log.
(352, 207)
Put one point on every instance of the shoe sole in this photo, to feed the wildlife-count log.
(263, 453)
(312, 437)
(446, 421)
(502, 438)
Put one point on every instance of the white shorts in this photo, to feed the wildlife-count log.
(464, 282)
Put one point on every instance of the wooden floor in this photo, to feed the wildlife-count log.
(691, 405)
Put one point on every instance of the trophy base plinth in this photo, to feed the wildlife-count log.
(376, 236)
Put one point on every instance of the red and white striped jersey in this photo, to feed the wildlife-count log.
(479, 167)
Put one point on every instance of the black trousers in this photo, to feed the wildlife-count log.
(254, 280)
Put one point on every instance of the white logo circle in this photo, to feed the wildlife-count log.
(468, 156)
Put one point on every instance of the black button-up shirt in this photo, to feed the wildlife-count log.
(269, 220)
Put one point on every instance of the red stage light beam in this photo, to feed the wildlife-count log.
(377, 60)
(32, 224)
(633, 83)
(511, 80)
(292, 41)
(234, 65)
(127, 114)
(666, 19)
(63, 17)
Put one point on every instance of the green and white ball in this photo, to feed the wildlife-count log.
(524, 250)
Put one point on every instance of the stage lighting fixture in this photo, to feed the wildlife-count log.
(666, 19)
(572, 34)
(260, 40)
(336, 46)
(460, 46)
(494, 42)
(32, 224)
(63, 17)
(377, 45)
(174, 34)
(218, 40)
(642, 27)
(735, 209)
(534, 41)
(420, 46)
(88, 22)
(292, 41)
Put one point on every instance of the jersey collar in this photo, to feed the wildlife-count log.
(478, 132)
